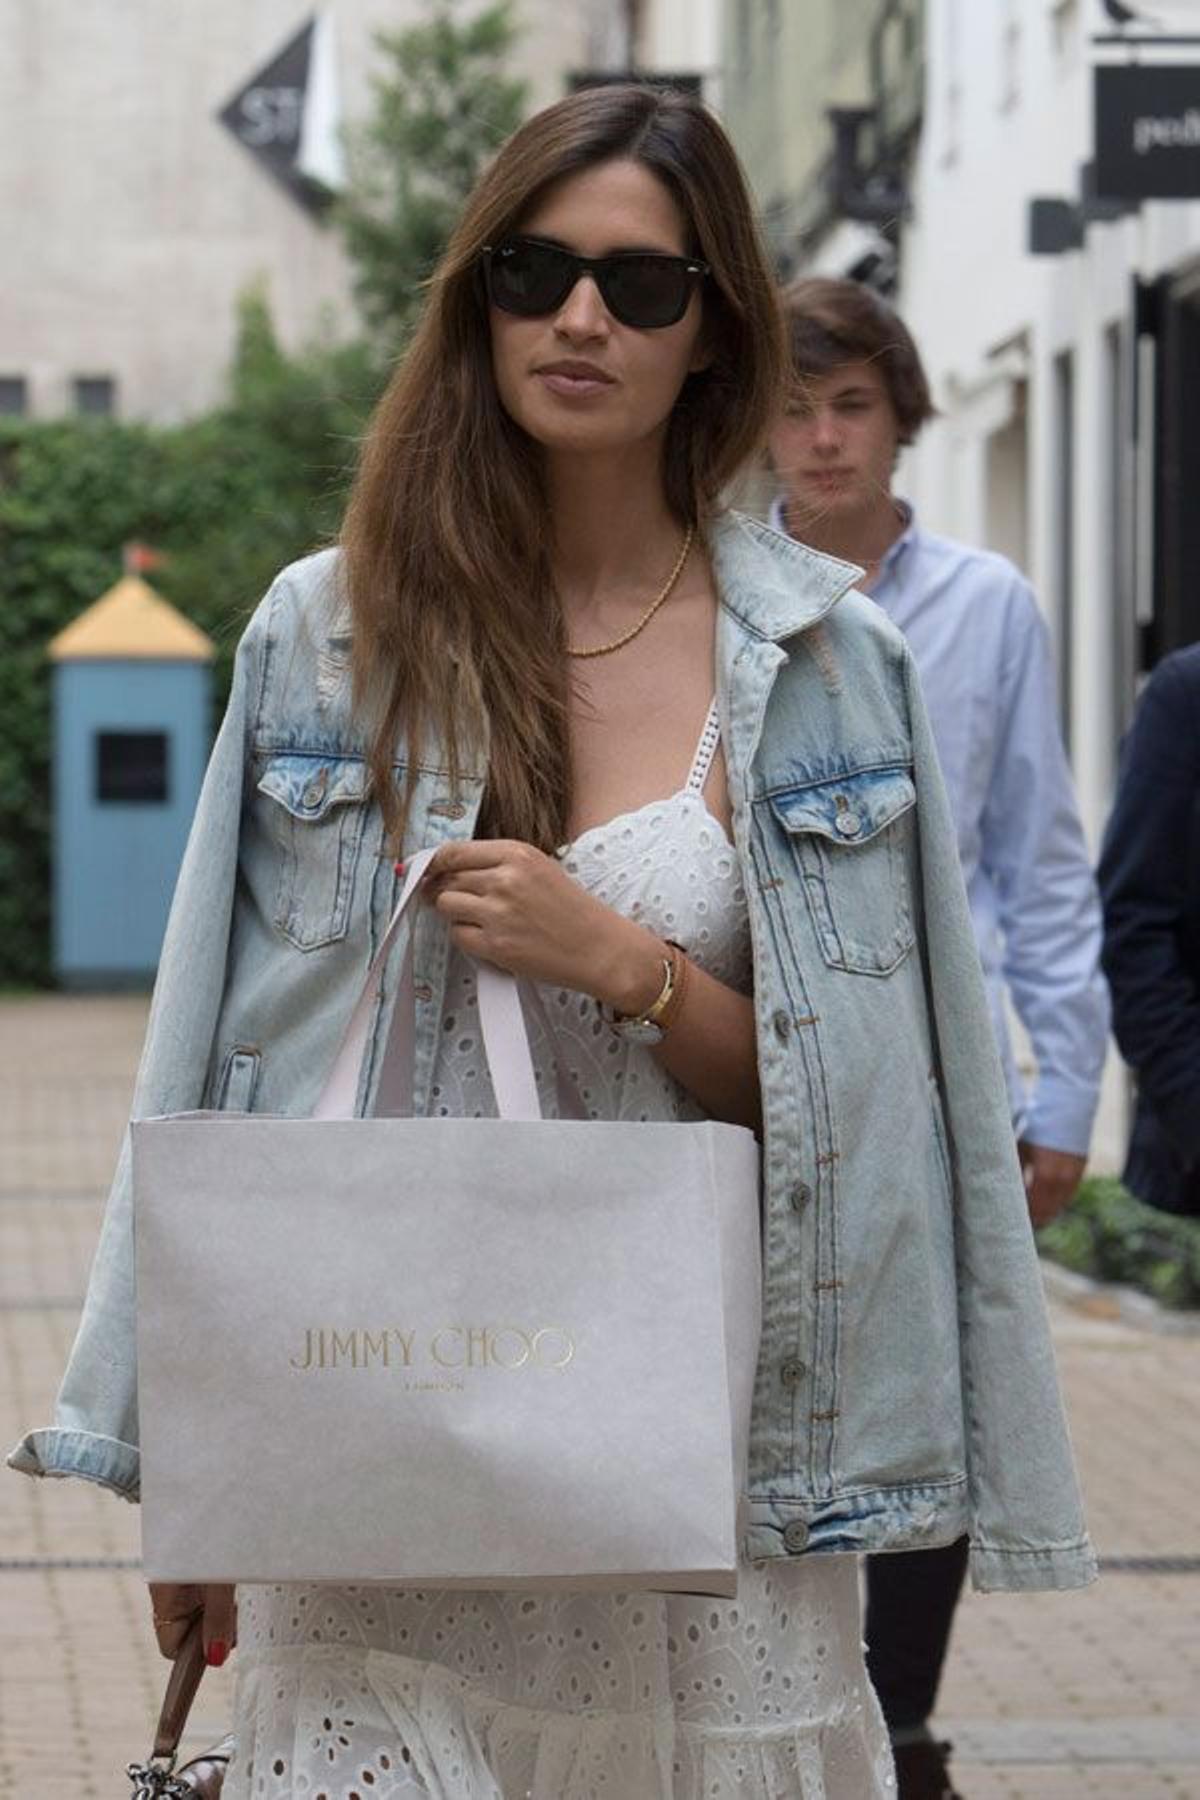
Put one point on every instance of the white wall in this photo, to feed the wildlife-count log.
(989, 316)
(130, 218)
(1009, 118)
(683, 37)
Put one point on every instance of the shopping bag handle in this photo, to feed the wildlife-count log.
(501, 1023)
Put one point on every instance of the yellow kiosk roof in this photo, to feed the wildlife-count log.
(131, 620)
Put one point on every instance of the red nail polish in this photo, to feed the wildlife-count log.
(399, 868)
(216, 1653)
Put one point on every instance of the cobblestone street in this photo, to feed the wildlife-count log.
(1048, 1697)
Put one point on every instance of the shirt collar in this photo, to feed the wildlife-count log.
(895, 551)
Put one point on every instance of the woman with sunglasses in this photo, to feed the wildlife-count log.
(682, 780)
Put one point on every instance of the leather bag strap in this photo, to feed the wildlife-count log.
(186, 1671)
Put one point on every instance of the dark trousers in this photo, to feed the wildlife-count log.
(911, 1597)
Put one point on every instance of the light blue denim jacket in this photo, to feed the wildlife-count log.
(906, 1390)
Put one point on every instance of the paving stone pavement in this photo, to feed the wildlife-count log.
(1047, 1697)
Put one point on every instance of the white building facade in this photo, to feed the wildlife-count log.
(1039, 451)
(1068, 384)
(1067, 436)
(132, 217)
(680, 37)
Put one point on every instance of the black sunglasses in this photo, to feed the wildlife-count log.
(643, 288)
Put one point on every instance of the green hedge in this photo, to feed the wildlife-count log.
(230, 498)
(1107, 1234)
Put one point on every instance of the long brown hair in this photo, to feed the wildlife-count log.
(457, 634)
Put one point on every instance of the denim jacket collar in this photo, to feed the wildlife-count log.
(774, 586)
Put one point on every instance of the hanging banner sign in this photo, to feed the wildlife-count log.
(286, 115)
(1147, 132)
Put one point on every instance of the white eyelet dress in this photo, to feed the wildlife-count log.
(373, 1693)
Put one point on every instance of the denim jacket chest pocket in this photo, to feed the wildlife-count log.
(318, 818)
(849, 839)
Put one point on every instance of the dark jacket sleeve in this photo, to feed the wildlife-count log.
(1152, 902)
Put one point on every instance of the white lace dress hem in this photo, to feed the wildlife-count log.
(560, 1697)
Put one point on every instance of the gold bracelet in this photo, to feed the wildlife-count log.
(653, 1014)
(680, 969)
(648, 1027)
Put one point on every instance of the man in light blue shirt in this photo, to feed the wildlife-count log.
(859, 393)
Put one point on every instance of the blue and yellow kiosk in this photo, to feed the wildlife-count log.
(132, 732)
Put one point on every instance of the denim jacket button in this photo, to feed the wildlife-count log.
(792, 1372)
(795, 1536)
(800, 1196)
(783, 1026)
(848, 824)
(314, 793)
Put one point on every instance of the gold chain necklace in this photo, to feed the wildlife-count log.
(660, 599)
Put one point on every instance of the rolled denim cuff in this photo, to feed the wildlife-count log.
(996, 1571)
(61, 1453)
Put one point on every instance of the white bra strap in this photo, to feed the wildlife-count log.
(706, 749)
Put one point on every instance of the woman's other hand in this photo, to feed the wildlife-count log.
(174, 1605)
(516, 907)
